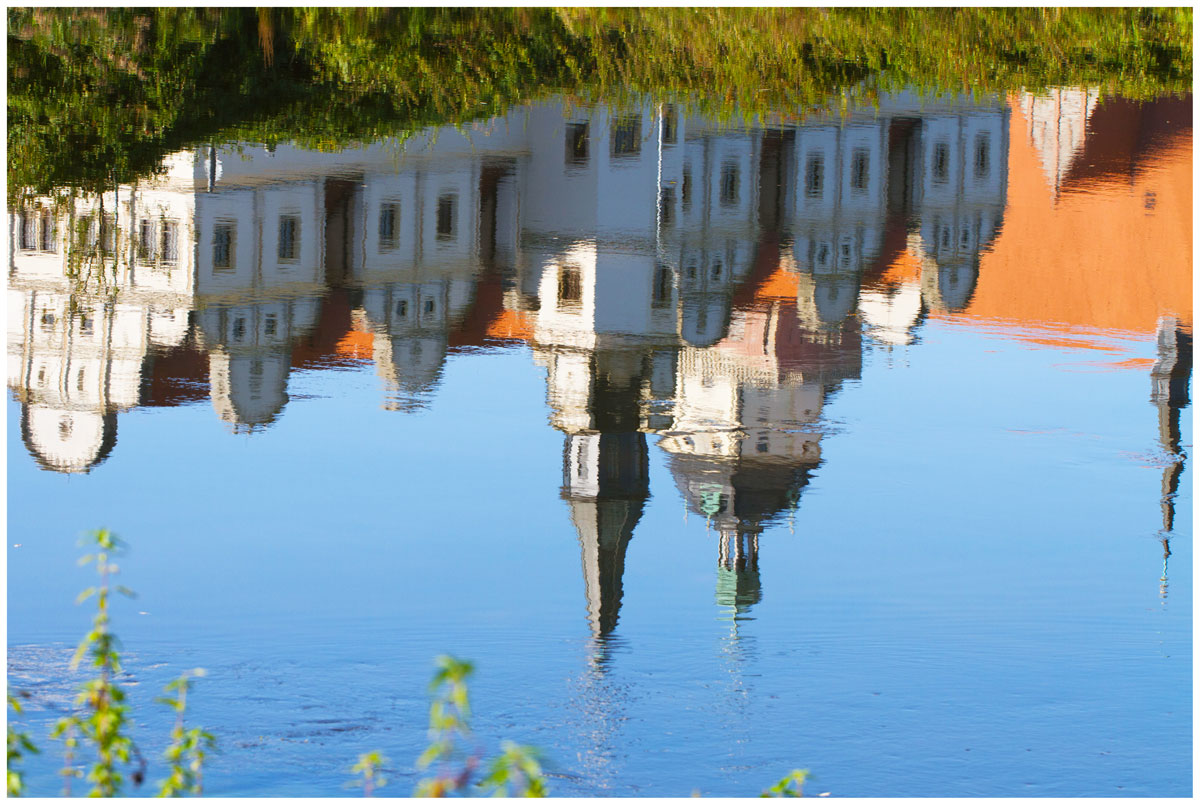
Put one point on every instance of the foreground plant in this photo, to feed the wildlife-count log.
(19, 745)
(368, 767)
(189, 748)
(104, 722)
(516, 772)
(790, 785)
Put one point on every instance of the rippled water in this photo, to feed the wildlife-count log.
(859, 445)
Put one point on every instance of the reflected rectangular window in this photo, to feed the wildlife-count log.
(941, 163)
(447, 212)
(402, 309)
(814, 176)
(87, 325)
(670, 125)
(983, 157)
(169, 242)
(271, 325)
(577, 144)
(223, 245)
(860, 167)
(570, 288)
(389, 217)
(663, 285)
(730, 182)
(627, 136)
(108, 233)
(666, 206)
(289, 238)
(430, 307)
(686, 189)
(239, 329)
(48, 233)
(28, 230)
(145, 242)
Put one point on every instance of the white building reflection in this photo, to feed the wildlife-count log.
(682, 281)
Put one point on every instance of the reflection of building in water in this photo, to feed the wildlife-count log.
(92, 289)
(1057, 120)
(1170, 377)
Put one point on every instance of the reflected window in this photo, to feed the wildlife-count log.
(48, 321)
(941, 162)
(570, 288)
(79, 380)
(686, 188)
(964, 241)
(577, 144)
(87, 325)
(108, 233)
(627, 136)
(846, 255)
(222, 245)
(48, 232)
(239, 329)
(730, 181)
(663, 286)
(169, 242)
(145, 241)
(983, 156)
(691, 271)
(429, 306)
(666, 206)
(822, 255)
(945, 237)
(389, 217)
(716, 270)
(860, 166)
(670, 125)
(402, 309)
(271, 325)
(28, 231)
(447, 214)
(289, 238)
(814, 176)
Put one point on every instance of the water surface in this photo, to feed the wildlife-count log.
(857, 444)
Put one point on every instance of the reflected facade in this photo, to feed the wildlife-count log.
(687, 286)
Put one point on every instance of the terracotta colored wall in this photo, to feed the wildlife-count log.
(1096, 257)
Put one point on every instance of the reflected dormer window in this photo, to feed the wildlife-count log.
(627, 136)
(860, 167)
(941, 163)
(289, 238)
(730, 184)
(447, 215)
(983, 156)
(222, 245)
(814, 176)
(577, 144)
(389, 217)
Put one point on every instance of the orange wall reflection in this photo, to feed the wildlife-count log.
(1067, 261)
